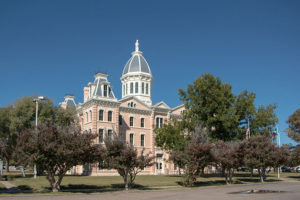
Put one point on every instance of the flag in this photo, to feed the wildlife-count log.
(274, 134)
(248, 133)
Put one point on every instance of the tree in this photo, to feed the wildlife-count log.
(294, 126)
(210, 102)
(196, 155)
(295, 156)
(264, 120)
(6, 139)
(125, 159)
(56, 149)
(229, 156)
(171, 136)
(260, 153)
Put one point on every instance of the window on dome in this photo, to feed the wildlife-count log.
(109, 91)
(131, 88)
(131, 121)
(136, 87)
(143, 88)
(105, 90)
(109, 116)
(147, 89)
(101, 115)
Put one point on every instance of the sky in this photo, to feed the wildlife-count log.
(53, 48)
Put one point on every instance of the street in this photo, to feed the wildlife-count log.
(289, 190)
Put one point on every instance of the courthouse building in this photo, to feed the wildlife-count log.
(134, 116)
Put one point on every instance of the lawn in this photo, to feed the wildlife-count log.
(110, 182)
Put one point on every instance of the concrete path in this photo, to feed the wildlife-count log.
(10, 187)
(289, 190)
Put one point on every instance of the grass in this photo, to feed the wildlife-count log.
(143, 181)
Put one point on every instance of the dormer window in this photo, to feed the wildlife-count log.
(105, 90)
(131, 104)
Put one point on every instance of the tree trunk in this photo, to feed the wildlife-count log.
(125, 178)
(7, 164)
(261, 175)
(202, 172)
(230, 175)
(251, 172)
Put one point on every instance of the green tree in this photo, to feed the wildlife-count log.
(171, 136)
(6, 139)
(264, 120)
(294, 126)
(56, 149)
(210, 102)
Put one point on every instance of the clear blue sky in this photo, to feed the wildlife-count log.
(54, 47)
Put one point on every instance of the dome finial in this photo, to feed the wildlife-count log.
(137, 45)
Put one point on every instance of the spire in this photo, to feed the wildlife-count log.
(137, 45)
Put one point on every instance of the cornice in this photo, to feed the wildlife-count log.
(135, 110)
(100, 102)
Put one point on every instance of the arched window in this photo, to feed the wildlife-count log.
(131, 88)
(143, 88)
(105, 90)
(142, 122)
(109, 116)
(131, 121)
(101, 115)
(147, 89)
(136, 87)
(87, 117)
(90, 115)
(101, 138)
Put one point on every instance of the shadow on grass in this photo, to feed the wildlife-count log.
(205, 183)
(295, 177)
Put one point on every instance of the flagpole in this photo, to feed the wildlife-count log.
(278, 143)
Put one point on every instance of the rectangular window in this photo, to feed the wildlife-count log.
(105, 90)
(120, 119)
(90, 115)
(126, 89)
(142, 122)
(136, 87)
(101, 115)
(143, 88)
(131, 88)
(87, 117)
(131, 138)
(147, 89)
(109, 134)
(101, 136)
(159, 122)
(109, 116)
(131, 121)
(142, 140)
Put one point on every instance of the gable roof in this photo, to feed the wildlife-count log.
(161, 105)
(125, 99)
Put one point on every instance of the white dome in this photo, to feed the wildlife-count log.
(137, 63)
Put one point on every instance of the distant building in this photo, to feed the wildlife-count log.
(134, 117)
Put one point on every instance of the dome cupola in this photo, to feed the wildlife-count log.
(137, 77)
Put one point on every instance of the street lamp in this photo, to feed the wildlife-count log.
(36, 100)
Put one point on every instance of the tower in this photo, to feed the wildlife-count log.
(137, 77)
